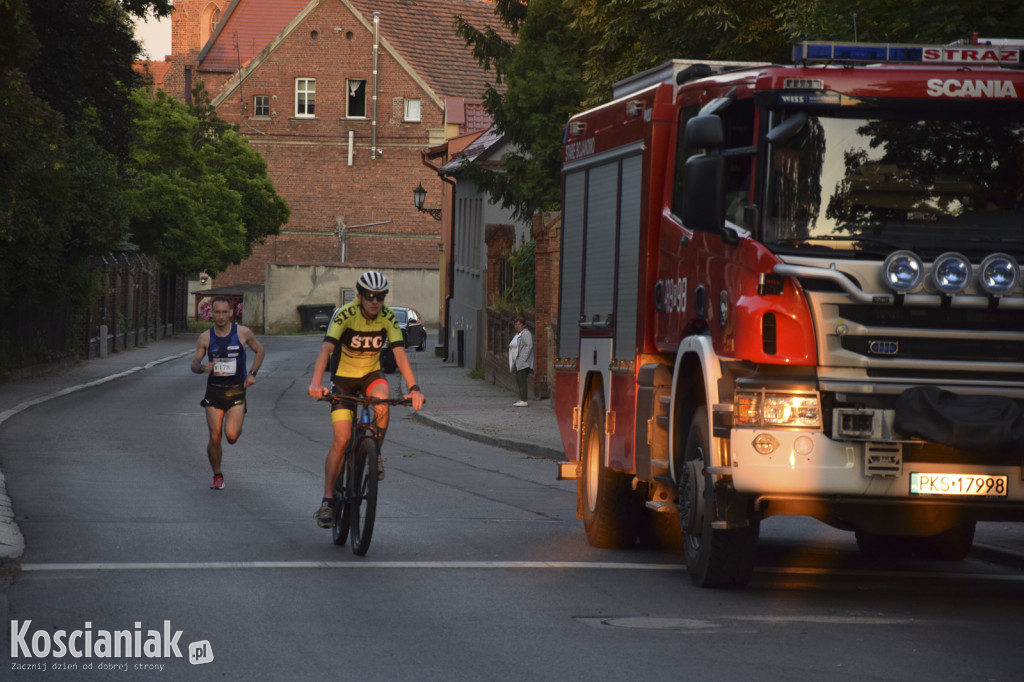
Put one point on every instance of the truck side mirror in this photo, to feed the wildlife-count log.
(704, 132)
(704, 193)
(704, 176)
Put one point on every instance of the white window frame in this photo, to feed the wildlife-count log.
(305, 92)
(413, 110)
(348, 98)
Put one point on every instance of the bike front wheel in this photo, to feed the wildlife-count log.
(363, 500)
(341, 508)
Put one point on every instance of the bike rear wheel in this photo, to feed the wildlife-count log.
(341, 508)
(363, 500)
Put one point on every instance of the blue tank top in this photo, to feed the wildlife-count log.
(228, 354)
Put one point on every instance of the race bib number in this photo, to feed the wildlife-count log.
(225, 368)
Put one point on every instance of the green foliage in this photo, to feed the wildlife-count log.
(631, 36)
(521, 294)
(918, 21)
(542, 90)
(85, 63)
(200, 194)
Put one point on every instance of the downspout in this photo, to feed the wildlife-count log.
(373, 120)
(450, 266)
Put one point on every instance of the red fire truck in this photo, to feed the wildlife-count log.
(797, 290)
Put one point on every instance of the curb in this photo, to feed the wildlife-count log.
(997, 555)
(509, 444)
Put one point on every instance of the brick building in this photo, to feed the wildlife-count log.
(341, 97)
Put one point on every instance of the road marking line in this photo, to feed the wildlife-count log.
(174, 566)
(479, 565)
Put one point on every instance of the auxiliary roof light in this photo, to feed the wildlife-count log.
(951, 273)
(903, 271)
(999, 274)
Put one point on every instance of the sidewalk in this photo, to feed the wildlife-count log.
(481, 411)
(457, 403)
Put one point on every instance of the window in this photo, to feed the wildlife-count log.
(412, 110)
(305, 97)
(211, 15)
(261, 105)
(356, 98)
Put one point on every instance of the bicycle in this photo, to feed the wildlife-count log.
(355, 492)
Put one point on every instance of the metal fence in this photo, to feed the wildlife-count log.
(138, 304)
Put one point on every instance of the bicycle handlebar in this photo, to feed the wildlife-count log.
(365, 400)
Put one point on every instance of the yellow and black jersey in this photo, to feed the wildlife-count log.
(359, 341)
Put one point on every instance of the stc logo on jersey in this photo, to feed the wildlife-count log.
(366, 342)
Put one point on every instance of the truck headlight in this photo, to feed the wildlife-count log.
(999, 274)
(903, 271)
(777, 410)
(951, 273)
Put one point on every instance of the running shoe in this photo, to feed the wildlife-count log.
(380, 467)
(325, 515)
(218, 482)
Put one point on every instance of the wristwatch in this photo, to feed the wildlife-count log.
(415, 387)
(252, 372)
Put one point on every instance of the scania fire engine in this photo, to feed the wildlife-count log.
(796, 290)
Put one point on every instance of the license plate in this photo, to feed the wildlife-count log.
(978, 485)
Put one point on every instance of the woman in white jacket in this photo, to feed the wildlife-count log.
(520, 358)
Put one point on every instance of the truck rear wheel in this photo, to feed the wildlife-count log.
(604, 494)
(714, 557)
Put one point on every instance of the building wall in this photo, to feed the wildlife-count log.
(289, 286)
(476, 220)
(343, 212)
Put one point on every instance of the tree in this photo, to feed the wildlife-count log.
(541, 75)
(916, 21)
(200, 194)
(631, 36)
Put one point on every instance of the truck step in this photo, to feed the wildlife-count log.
(661, 507)
(665, 479)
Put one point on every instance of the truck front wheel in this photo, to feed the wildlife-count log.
(604, 494)
(715, 557)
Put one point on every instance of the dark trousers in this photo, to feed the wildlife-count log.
(522, 381)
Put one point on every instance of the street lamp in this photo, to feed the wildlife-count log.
(419, 195)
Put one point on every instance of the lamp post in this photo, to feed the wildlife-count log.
(419, 195)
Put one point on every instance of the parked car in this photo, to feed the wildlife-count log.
(412, 331)
(412, 327)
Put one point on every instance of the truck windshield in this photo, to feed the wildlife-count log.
(874, 181)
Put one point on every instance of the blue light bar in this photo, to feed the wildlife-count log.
(977, 55)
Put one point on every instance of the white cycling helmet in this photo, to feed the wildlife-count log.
(372, 282)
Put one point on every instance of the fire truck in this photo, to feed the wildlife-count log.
(796, 290)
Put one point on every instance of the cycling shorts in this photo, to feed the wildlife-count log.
(223, 397)
(344, 409)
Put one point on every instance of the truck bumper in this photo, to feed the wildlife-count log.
(811, 464)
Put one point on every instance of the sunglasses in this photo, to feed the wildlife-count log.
(374, 297)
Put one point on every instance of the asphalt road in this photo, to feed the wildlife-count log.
(479, 569)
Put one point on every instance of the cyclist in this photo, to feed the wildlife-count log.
(351, 347)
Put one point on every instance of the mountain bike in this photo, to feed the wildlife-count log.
(355, 492)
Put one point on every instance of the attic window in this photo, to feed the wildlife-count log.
(314, 35)
(211, 15)
(356, 88)
(412, 110)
